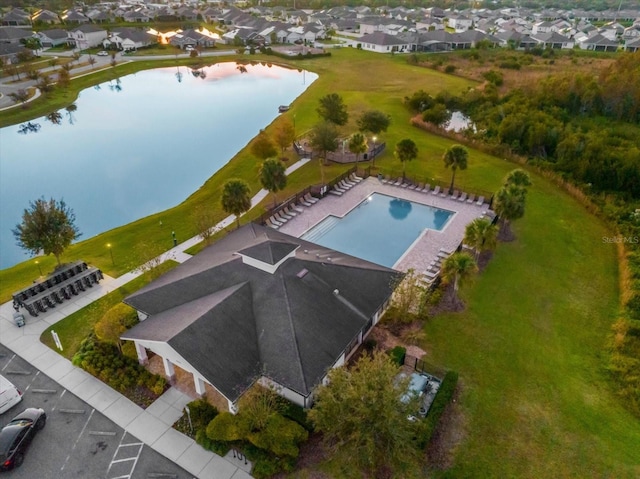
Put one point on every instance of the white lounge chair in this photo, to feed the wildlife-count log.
(471, 198)
(414, 186)
(296, 208)
(398, 182)
(480, 201)
(311, 199)
(344, 185)
(355, 178)
(271, 223)
(463, 196)
(444, 193)
(289, 210)
(335, 191)
(436, 190)
(426, 188)
(280, 217)
(455, 194)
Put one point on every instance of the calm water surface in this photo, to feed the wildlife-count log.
(139, 145)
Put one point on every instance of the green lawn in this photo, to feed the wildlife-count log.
(529, 350)
(529, 347)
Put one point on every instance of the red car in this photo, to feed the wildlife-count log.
(16, 437)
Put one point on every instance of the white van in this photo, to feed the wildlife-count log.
(9, 395)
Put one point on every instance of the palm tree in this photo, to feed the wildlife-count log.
(509, 204)
(518, 177)
(357, 145)
(457, 268)
(235, 198)
(273, 176)
(481, 234)
(406, 150)
(456, 158)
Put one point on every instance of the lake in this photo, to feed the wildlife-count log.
(138, 145)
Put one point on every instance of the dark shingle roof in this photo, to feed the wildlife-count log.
(233, 322)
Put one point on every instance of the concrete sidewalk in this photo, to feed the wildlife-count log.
(153, 425)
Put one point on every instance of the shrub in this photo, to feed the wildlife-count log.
(442, 399)
(494, 76)
(449, 68)
(298, 414)
(398, 354)
(202, 413)
(510, 64)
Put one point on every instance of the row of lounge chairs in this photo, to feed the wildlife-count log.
(433, 270)
(344, 185)
(462, 197)
(290, 211)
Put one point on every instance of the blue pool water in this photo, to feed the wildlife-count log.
(380, 229)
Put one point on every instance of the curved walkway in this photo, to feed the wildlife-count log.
(153, 425)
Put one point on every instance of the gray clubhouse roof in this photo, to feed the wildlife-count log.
(234, 321)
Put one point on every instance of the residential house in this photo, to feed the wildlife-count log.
(16, 17)
(100, 16)
(192, 38)
(632, 45)
(9, 52)
(260, 306)
(45, 17)
(86, 36)
(74, 17)
(136, 16)
(14, 35)
(516, 40)
(553, 40)
(599, 43)
(460, 23)
(128, 39)
(380, 42)
(53, 37)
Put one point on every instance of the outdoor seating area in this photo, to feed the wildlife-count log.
(290, 211)
(433, 271)
(57, 288)
(461, 196)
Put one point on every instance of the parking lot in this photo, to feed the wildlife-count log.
(78, 442)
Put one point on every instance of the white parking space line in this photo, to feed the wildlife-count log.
(78, 439)
(58, 400)
(134, 458)
(33, 379)
(8, 362)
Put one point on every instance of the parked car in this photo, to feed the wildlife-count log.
(102, 53)
(16, 437)
(9, 395)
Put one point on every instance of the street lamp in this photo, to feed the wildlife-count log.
(39, 267)
(111, 253)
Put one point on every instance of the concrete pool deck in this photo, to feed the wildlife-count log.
(425, 248)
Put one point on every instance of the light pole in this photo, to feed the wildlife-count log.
(373, 152)
(111, 253)
(39, 267)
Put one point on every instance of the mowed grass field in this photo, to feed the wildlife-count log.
(535, 400)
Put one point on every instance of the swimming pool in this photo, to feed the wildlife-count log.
(380, 229)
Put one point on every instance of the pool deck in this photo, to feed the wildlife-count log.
(426, 247)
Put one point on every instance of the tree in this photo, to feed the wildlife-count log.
(47, 227)
(285, 134)
(204, 220)
(324, 139)
(273, 177)
(362, 418)
(456, 158)
(457, 268)
(509, 204)
(373, 121)
(357, 145)
(263, 147)
(45, 84)
(438, 114)
(519, 178)
(114, 323)
(333, 109)
(406, 150)
(20, 96)
(92, 61)
(481, 234)
(236, 198)
(63, 78)
(32, 43)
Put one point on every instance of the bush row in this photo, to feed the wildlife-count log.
(442, 399)
(122, 373)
